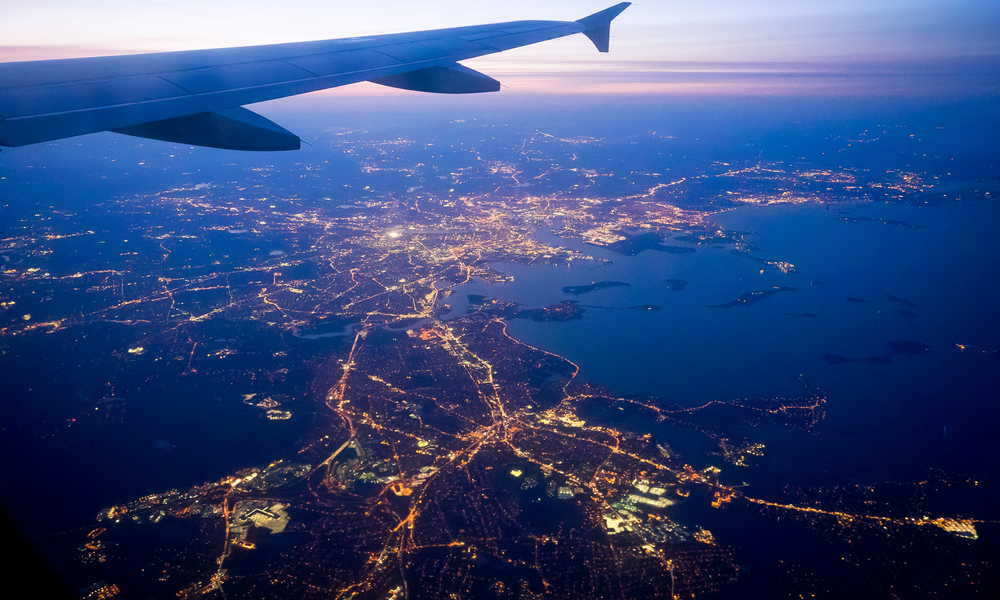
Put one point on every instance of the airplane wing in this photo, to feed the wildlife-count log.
(197, 97)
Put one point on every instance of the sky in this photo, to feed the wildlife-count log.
(657, 45)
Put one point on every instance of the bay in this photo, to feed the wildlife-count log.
(866, 275)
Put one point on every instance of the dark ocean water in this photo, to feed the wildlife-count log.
(893, 420)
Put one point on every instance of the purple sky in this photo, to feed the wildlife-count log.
(659, 46)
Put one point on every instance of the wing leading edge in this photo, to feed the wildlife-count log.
(195, 97)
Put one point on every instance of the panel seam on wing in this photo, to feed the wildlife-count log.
(171, 83)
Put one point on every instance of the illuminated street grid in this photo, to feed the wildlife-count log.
(441, 452)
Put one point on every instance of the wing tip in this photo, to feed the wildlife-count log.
(597, 26)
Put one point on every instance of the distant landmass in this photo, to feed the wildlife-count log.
(637, 307)
(751, 298)
(576, 290)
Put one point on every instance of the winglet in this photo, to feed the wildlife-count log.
(598, 25)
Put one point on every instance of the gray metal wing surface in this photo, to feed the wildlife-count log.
(195, 97)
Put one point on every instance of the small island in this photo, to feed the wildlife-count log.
(750, 298)
(677, 285)
(646, 307)
(908, 347)
(576, 290)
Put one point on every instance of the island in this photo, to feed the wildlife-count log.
(576, 290)
(750, 298)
